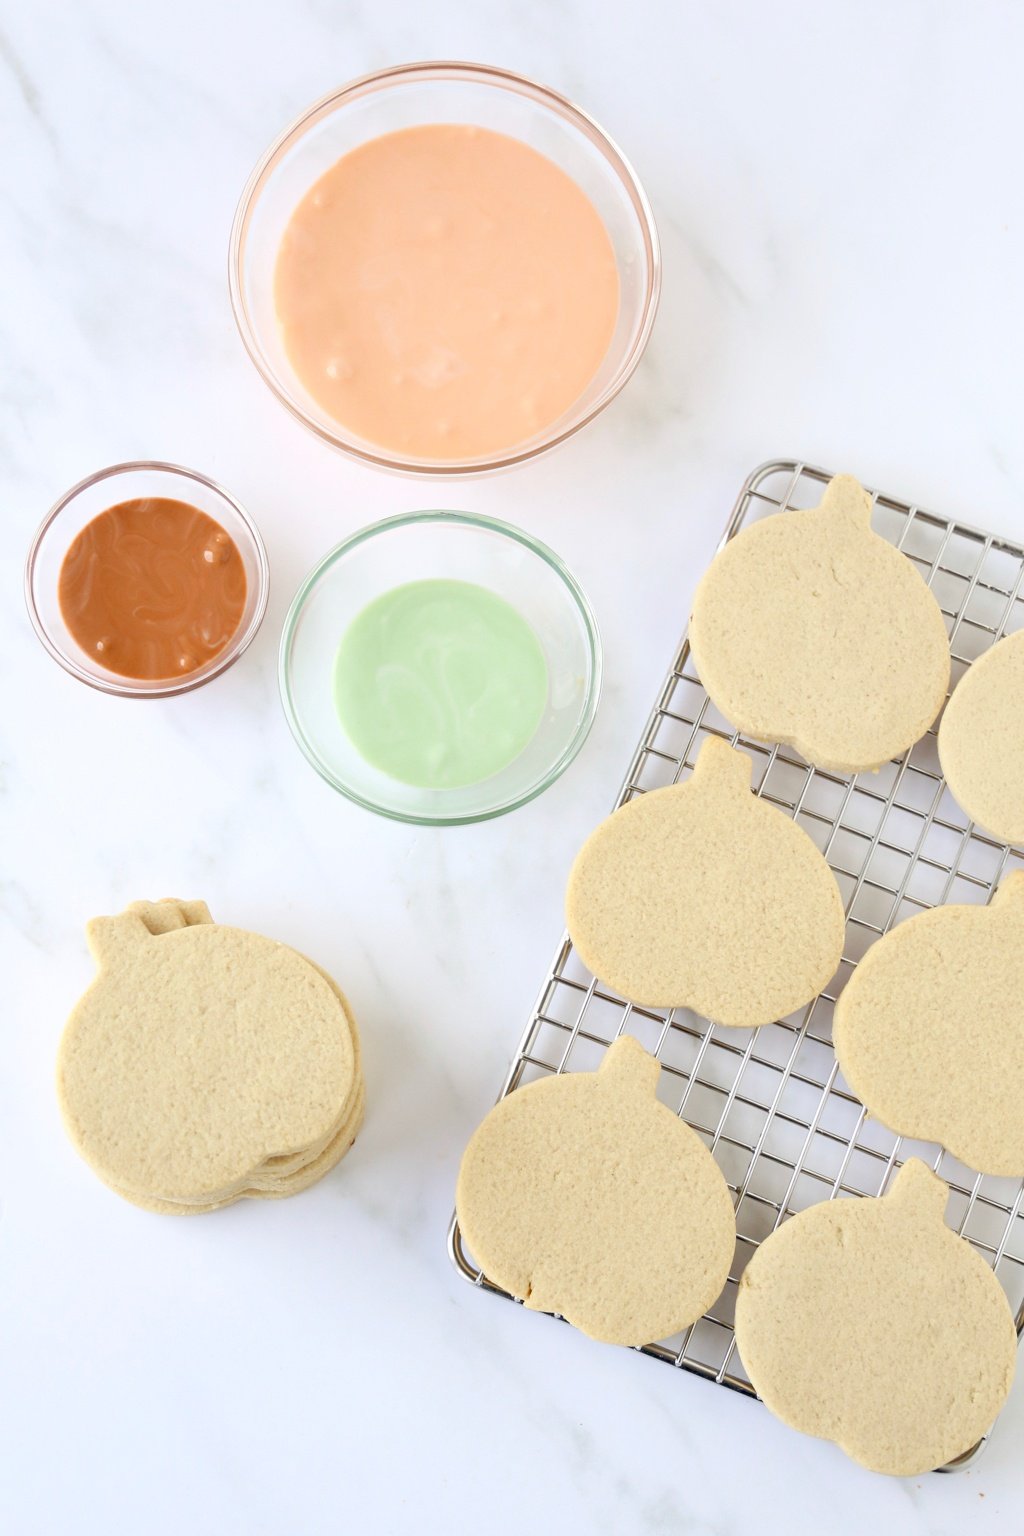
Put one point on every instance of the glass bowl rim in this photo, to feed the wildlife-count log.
(476, 522)
(128, 689)
(489, 75)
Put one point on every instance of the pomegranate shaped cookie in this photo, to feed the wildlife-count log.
(582, 1194)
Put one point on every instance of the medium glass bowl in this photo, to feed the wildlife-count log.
(86, 500)
(462, 547)
(404, 97)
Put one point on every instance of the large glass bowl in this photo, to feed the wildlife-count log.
(405, 97)
(452, 545)
(86, 500)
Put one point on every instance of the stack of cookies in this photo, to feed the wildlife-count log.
(205, 1064)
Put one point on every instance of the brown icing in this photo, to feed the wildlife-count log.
(152, 588)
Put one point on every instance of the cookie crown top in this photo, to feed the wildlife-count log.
(111, 937)
(917, 1188)
(846, 497)
(722, 768)
(628, 1068)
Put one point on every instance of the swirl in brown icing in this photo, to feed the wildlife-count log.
(152, 588)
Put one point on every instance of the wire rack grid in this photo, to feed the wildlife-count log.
(771, 1103)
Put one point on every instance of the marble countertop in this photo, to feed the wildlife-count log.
(839, 194)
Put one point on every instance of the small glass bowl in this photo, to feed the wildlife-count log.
(86, 500)
(408, 96)
(462, 547)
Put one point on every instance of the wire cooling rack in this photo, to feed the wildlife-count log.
(771, 1103)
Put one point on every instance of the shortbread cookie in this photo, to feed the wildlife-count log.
(292, 1184)
(703, 896)
(868, 1322)
(981, 740)
(288, 1163)
(204, 1062)
(584, 1195)
(808, 628)
(165, 916)
(929, 1030)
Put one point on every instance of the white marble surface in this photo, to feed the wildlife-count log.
(839, 193)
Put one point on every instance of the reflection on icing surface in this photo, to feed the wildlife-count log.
(440, 683)
(152, 588)
(446, 291)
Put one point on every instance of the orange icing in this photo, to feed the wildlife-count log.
(446, 292)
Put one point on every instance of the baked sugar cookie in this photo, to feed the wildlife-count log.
(929, 1030)
(981, 740)
(810, 629)
(703, 896)
(205, 1063)
(270, 1189)
(584, 1195)
(868, 1322)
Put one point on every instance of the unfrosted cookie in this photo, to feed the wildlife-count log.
(270, 1189)
(981, 740)
(584, 1195)
(205, 1063)
(929, 1030)
(808, 628)
(868, 1322)
(703, 896)
(286, 1164)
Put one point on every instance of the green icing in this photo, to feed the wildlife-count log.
(440, 683)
